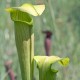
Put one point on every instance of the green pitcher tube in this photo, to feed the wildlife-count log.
(24, 38)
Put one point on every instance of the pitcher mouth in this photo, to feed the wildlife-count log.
(20, 15)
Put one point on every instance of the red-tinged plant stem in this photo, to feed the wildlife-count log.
(47, 42)
(10, 71)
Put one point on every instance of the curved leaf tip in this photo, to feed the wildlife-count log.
(9, 9)
(35, 10)
(64, 61)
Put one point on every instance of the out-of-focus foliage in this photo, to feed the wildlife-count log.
(62, 17)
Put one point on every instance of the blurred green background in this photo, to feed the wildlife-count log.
(62, 17)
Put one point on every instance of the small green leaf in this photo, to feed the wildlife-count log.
(44, 65)
(64, 61)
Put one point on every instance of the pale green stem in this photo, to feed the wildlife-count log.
(24, 43)
(53, 19)
(45, 74)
